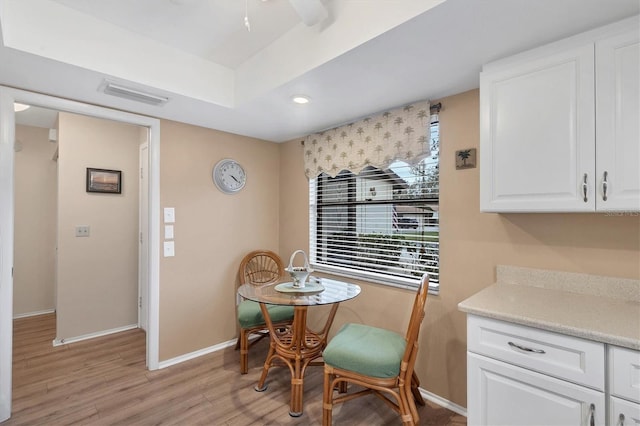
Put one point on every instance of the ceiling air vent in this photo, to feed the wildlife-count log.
(132, 94)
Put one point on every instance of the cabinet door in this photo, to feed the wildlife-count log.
(503, 394)
(623, 413)
(537, 133)
(618, 123)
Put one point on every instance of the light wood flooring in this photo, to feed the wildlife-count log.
(103, 381)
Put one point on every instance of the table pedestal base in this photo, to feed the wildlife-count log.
(297, 346)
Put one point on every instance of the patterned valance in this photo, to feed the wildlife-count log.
(379, 140)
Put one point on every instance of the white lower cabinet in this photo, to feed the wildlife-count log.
(623, 412)
(519, 375)
(624, 386)
(504, 394)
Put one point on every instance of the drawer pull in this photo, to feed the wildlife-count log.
(525, 349)
(621, 423)
(592, 416)
(605, 185)
(584, 188)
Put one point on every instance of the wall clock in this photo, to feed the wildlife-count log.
(229, 176)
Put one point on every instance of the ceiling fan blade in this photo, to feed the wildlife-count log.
(310, 11)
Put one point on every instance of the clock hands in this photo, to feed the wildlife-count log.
(234, 178)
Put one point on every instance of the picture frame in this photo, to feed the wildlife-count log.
(466, 159)
(104, 181)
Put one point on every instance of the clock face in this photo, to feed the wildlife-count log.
(229, 176)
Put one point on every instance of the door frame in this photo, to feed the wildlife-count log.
(143, 237)
(7, 137)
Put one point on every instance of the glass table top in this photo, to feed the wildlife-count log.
(317, 291)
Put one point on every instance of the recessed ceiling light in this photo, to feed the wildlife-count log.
(20, 107)
(301, 99)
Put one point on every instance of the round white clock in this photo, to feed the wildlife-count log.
(229, 176)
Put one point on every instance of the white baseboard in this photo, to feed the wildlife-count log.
(67, 340)
(443, 402)
(33, 314)
(196, 354)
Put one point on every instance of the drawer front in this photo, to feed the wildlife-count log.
(624, 365)
(570, 358)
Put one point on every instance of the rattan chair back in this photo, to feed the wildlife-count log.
(261, 267)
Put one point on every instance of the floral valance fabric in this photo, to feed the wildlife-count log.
(399, 134)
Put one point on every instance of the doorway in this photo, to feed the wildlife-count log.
(7, 136)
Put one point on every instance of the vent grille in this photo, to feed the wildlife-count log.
(121, 91)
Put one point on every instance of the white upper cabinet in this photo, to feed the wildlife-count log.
(559, 124)
(618, 122)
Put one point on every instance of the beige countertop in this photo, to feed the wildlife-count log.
(564, 303)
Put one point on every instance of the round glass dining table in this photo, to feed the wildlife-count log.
(297, 345)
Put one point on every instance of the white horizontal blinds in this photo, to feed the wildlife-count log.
(380, 221)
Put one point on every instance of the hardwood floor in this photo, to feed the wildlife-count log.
(103, 381)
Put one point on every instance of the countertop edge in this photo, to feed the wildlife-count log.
(552, 326)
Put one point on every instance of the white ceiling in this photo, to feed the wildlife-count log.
(368, 55)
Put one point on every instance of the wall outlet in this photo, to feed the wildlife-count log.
(82, 231)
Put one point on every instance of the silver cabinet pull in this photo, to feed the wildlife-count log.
(525, 349)
(605, 185)
(584, 188)
(621, 418)
(592, 415)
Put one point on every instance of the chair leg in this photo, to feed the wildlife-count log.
(327, 398)
(410, 410)
(261, 387)
(415, 384)
(244, 351)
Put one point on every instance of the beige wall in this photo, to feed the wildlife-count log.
(98, 275)
(35, 222)
(213, 231)
(472, 244)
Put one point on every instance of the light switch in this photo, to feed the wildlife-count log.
(82, 231)
(168, 232)
(169, 249)
(169, 215)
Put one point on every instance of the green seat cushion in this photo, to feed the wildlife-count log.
(370, 351)
(250, 315)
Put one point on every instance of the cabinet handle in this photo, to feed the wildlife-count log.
(525, 349)
(605, 184)
(621, 418)
(592, 416)
(584, 187)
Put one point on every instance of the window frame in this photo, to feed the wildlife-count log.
(315, 217)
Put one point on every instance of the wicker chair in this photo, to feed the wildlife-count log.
(379, 360)
(260, 267)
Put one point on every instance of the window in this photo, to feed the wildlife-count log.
(379, 225)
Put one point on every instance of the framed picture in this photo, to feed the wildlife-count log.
(466, 159)
(102, 180)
